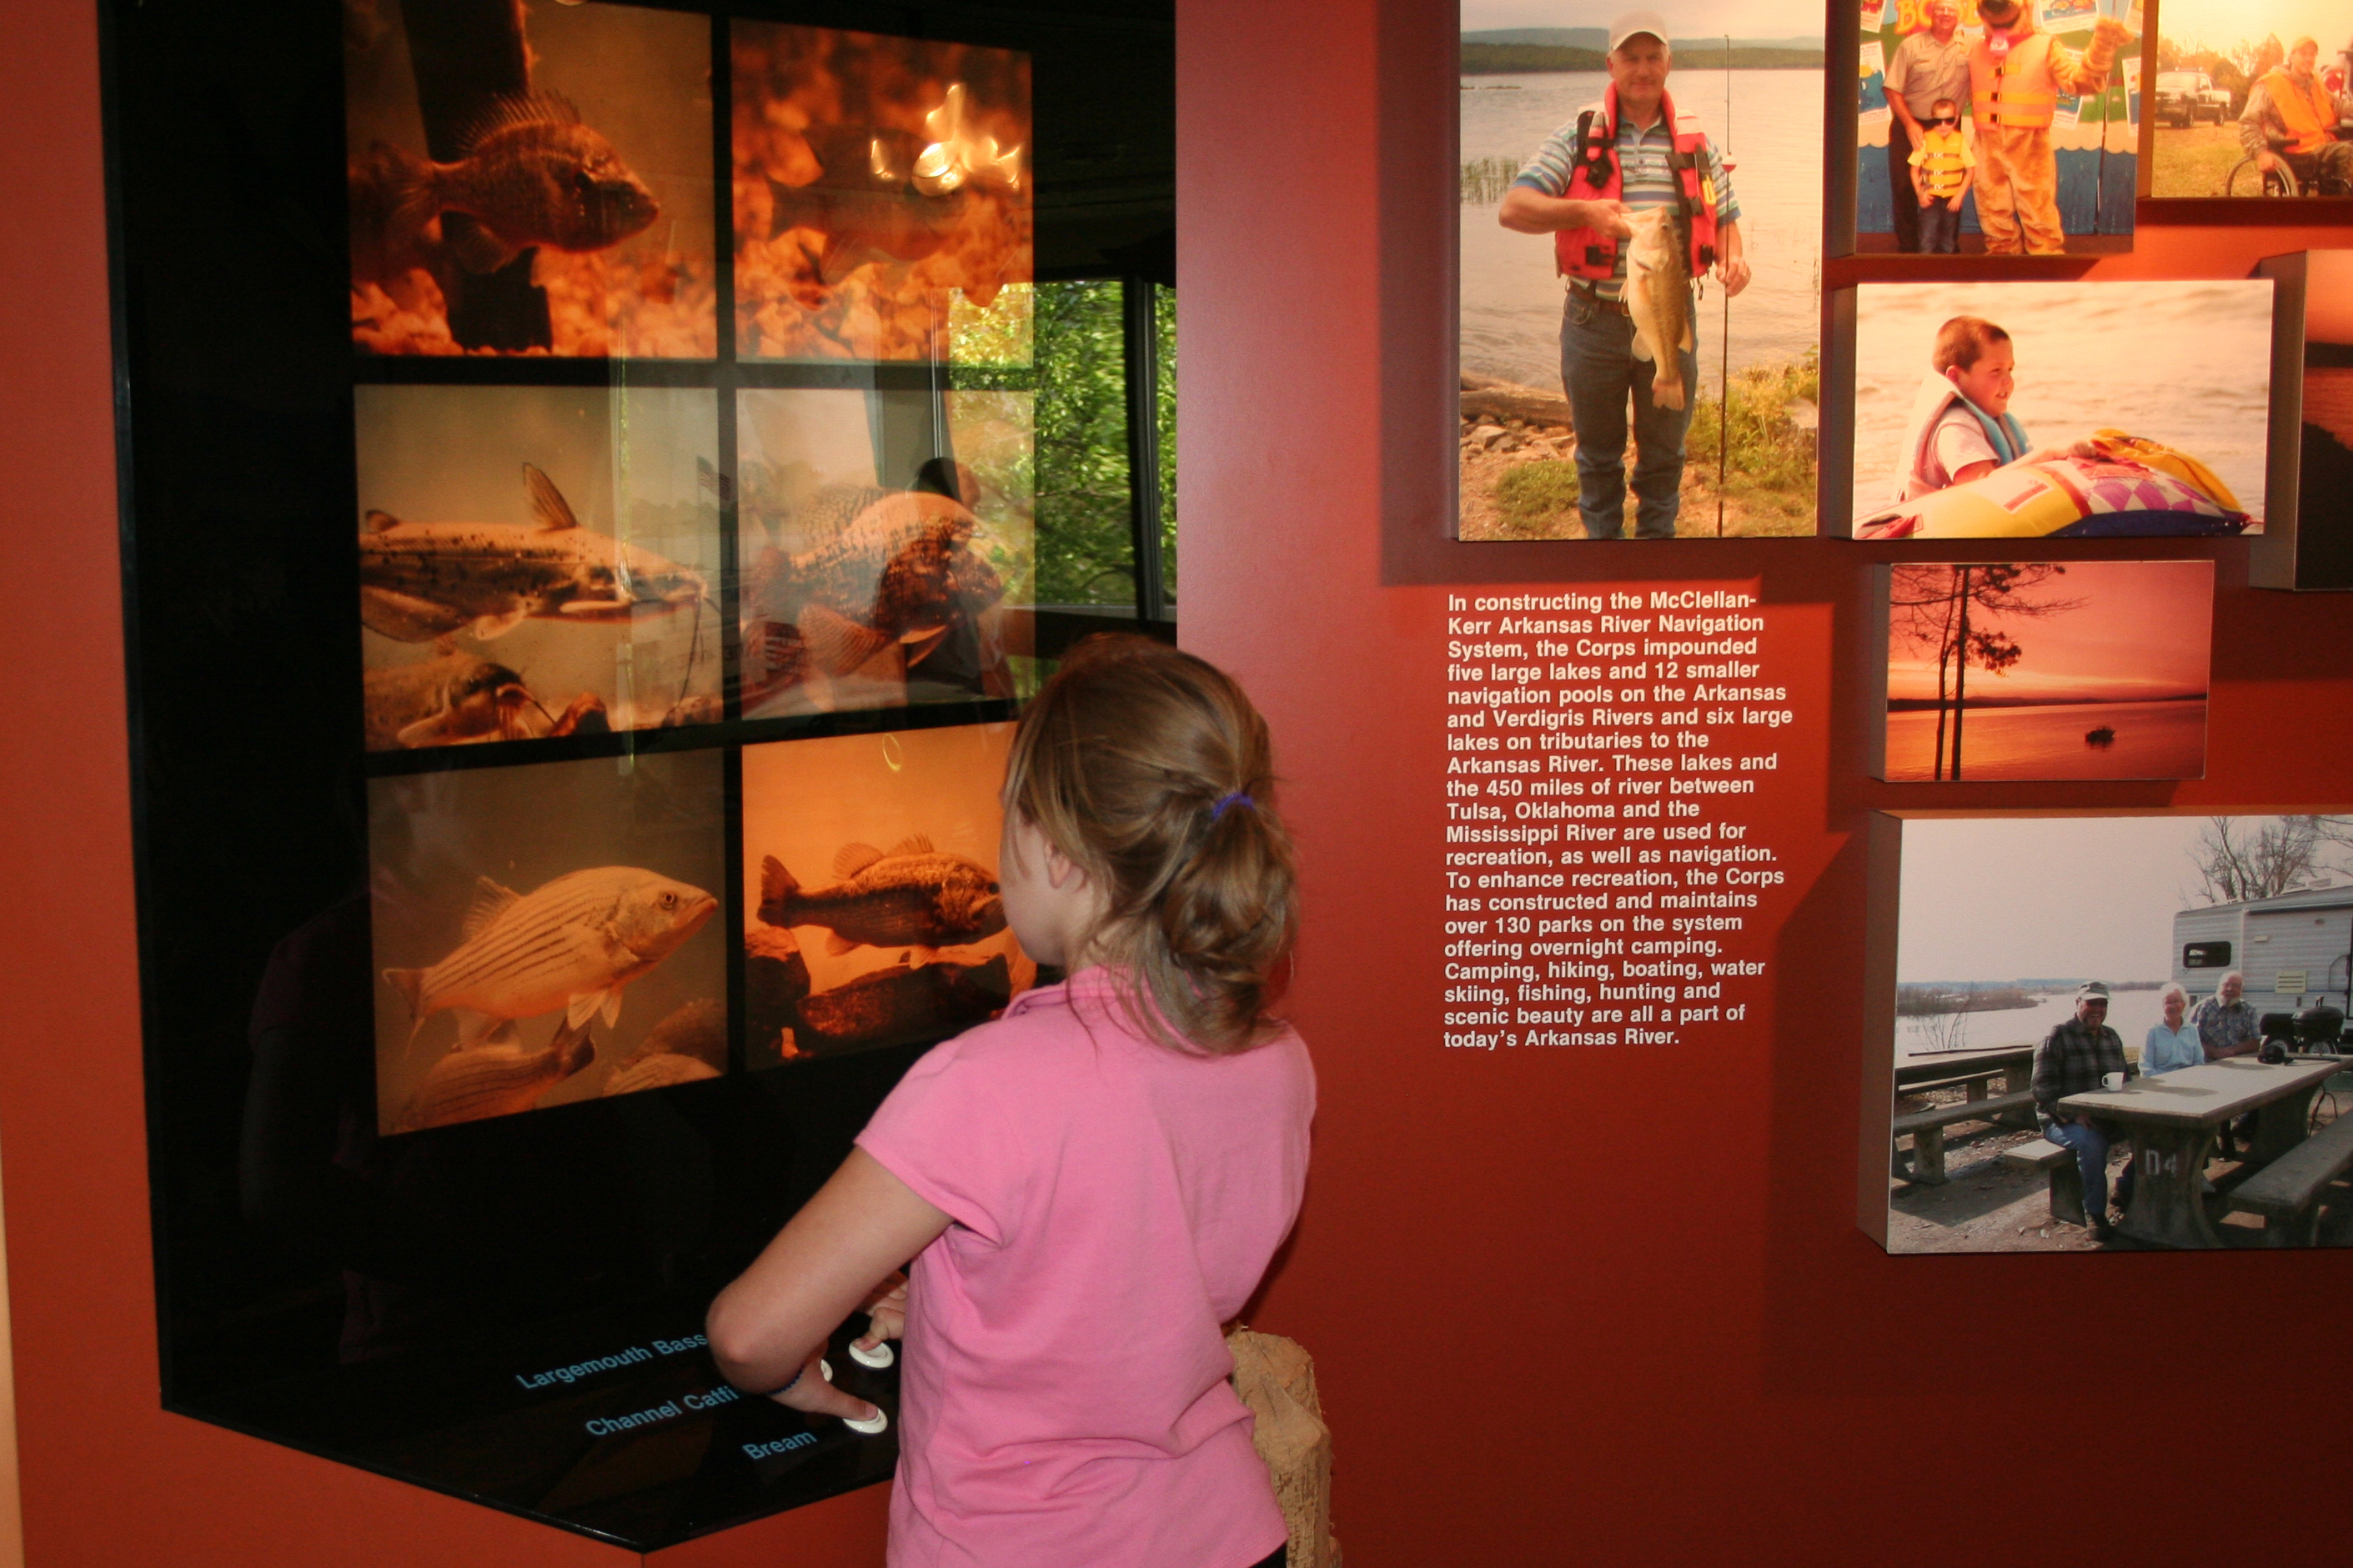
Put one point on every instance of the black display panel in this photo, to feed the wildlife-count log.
(577, 467)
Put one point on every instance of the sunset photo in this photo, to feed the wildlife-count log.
(2089, 670)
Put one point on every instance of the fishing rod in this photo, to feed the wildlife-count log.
(1723, 333)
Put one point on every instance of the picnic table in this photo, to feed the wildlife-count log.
(2172, 1119)
(1921, 1070)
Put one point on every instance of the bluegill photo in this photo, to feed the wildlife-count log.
(543, 931)
(849, 946)
(537, 562)
(530, 179)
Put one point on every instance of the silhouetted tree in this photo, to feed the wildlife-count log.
(1930, 606)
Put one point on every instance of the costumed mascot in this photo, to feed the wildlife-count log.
(2017, 77)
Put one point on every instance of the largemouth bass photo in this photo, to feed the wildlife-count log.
(908, 896)
(904, 1004)
(1658, 298)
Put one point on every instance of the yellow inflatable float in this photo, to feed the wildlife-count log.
(2127, 486)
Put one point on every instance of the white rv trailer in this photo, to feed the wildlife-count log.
(2292, 949)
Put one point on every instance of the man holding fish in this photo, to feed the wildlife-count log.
(1639, 204)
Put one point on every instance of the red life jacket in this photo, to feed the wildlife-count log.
(1594, 175)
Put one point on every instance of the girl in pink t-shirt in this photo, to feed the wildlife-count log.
(1091, 1185)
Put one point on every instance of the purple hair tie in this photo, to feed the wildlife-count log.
(1237, 798)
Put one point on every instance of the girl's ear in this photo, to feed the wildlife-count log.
(1060, 869)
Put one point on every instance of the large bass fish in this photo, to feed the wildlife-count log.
(1658, 298)
(914, 896)
(419, 581)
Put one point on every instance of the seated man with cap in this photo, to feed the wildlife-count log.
(2072, 1059)
(2290, 108)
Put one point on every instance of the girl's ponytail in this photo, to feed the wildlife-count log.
(1152, 773)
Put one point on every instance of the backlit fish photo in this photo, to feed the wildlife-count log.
(530, 178)
(545, 934)
(1640, 222)
(882, 537)
(2060, 410)
(873, 912)
(882, 197)
(537, 562)
(2081, 669)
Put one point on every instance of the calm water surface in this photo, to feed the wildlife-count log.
(1511, 295)
(2153, 741)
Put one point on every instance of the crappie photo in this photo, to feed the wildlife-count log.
(2080, 669)
(2254, 100)
(2034, 410)
(886, 541)
(2115, 1032)
(545, 934)
(882, 197)
(1705, 312)
(872, 915)
(530, 178)
(537, 562)
(1999, 127)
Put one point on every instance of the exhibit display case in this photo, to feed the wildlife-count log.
(657, 383)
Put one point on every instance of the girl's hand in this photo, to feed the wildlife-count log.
(813, 1395)
(886, 1313)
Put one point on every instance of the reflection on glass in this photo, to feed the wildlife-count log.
(882, 536)
(882, 201)
(539, 935)
(537, 562)
(872, 913)
(530, 181)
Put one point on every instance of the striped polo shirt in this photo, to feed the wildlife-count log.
(1649, 178)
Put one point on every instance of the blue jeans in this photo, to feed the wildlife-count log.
(2089, 1143)
(1597, 368)
(1940, 227)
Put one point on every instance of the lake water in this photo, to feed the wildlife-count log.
(1511, 296)
(2188, 363)
(2131, 1014)
(2153, 741)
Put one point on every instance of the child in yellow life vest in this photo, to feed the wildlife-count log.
(2017, 77)
(1943, 169)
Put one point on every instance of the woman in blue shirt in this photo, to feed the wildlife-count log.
(2173, 1043)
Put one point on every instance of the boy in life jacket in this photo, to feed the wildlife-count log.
(2291, 104)
(1960, 428)
(1943, 169)
(1629, 153)
(2016, 79)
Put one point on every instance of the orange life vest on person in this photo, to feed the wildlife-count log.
(2305, 113)
(2012, 90)
(1594, 175)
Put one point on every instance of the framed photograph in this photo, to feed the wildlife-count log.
(2252, 102)
(1997, 127)
(537, 561)
(2008, 670)
(882, 197)
(542, 935)
(1710, 142)
(2055, 410)
(2104, 1032)
(872, 915)
(529, 180)
(2309, 543)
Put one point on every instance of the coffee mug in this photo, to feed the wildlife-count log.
(2111, 1080)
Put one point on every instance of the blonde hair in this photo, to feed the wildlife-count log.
(1151, 772)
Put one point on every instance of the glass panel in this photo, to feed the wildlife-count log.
(1163, 322)
(1085, 547)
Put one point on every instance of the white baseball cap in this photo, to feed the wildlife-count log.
(1637, 22)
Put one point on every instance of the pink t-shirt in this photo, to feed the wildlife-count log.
(1064, 1402)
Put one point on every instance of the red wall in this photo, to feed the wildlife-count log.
(1610, 1303)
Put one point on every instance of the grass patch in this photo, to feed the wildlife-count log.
(1771, 464)
(2194, 161)
(1538, 491)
